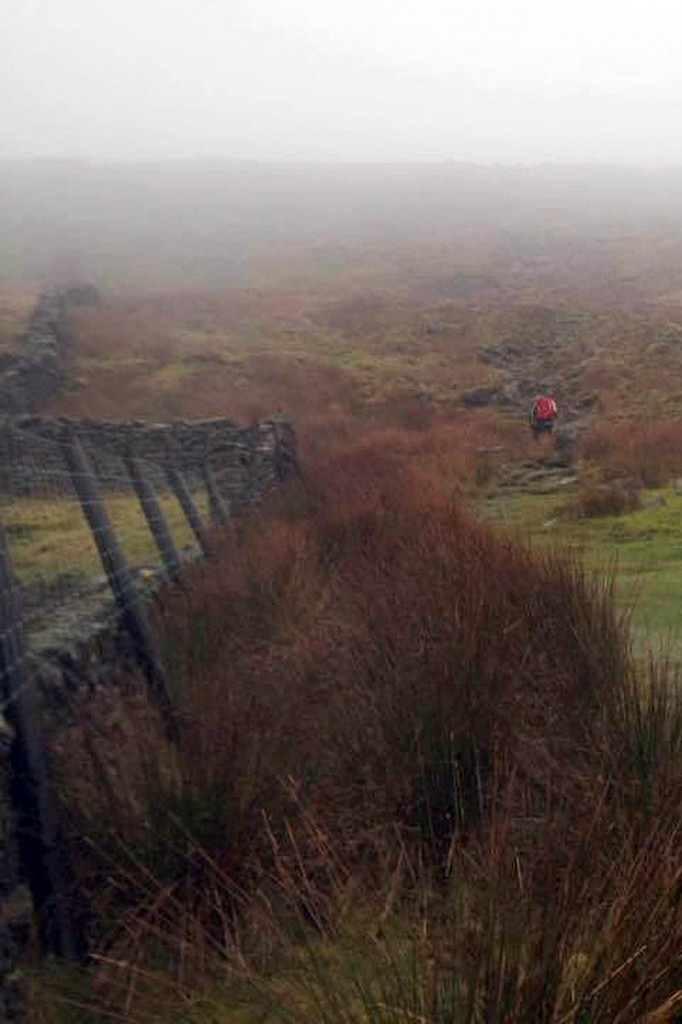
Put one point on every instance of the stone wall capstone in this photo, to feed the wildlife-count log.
(248, 461)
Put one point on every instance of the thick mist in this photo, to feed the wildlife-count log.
(510, 81)
(614, 233)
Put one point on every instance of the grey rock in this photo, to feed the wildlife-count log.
(655, 501)
(510, 394)
(479, 397)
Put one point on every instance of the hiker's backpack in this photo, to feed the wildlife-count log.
(544, 409)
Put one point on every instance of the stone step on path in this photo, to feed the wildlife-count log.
(535, 476)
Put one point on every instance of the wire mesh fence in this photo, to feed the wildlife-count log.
(84, 516)
(87, 516)
(55, 557)
(78, 520)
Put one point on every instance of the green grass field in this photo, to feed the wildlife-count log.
(51, 536)
(642, 548)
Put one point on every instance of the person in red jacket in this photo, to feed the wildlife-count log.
(543, 415)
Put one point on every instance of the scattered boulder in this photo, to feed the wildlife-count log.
(510, 394)
(82, 295)
(479, 397)
(501, 355)
(655, 501)
(586, 403)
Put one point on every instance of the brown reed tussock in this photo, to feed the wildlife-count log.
(413, 754)
(609, 499)
(649, 453)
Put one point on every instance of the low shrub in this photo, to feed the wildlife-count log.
(649, 452)
(603, 500)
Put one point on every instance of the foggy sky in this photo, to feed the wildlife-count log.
(378, 80)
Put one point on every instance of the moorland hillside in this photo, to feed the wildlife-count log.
(424, 772)
(604, 235)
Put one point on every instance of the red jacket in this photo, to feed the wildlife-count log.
(544, 409)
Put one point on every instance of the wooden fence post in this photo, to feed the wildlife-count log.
(220, 512)
(40, 837)
(119, 575)
(181, 491)
(156, 520)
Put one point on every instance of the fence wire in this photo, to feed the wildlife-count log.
(81, 515)
(57, 569)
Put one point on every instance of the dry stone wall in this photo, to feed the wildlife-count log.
(85, 659)
(15, 901)
(87, 677)
(249, 461)
(34, 373)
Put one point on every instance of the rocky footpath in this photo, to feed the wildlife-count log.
(535, 476)
(545, 364)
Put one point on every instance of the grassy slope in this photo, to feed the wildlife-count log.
(347, 353)
(644, 548)
(248, 355)
(332, 356)
(51, 535)
(324, 350)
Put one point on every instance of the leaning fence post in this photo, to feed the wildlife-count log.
(43, 851)
(118, 574)
(153, 512)
(181, 490)
(219, 510)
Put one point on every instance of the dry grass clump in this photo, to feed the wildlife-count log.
(451, 454)
(597, 500)
(650, 453)
(358, 353)
(518, 932)
(417, 776)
